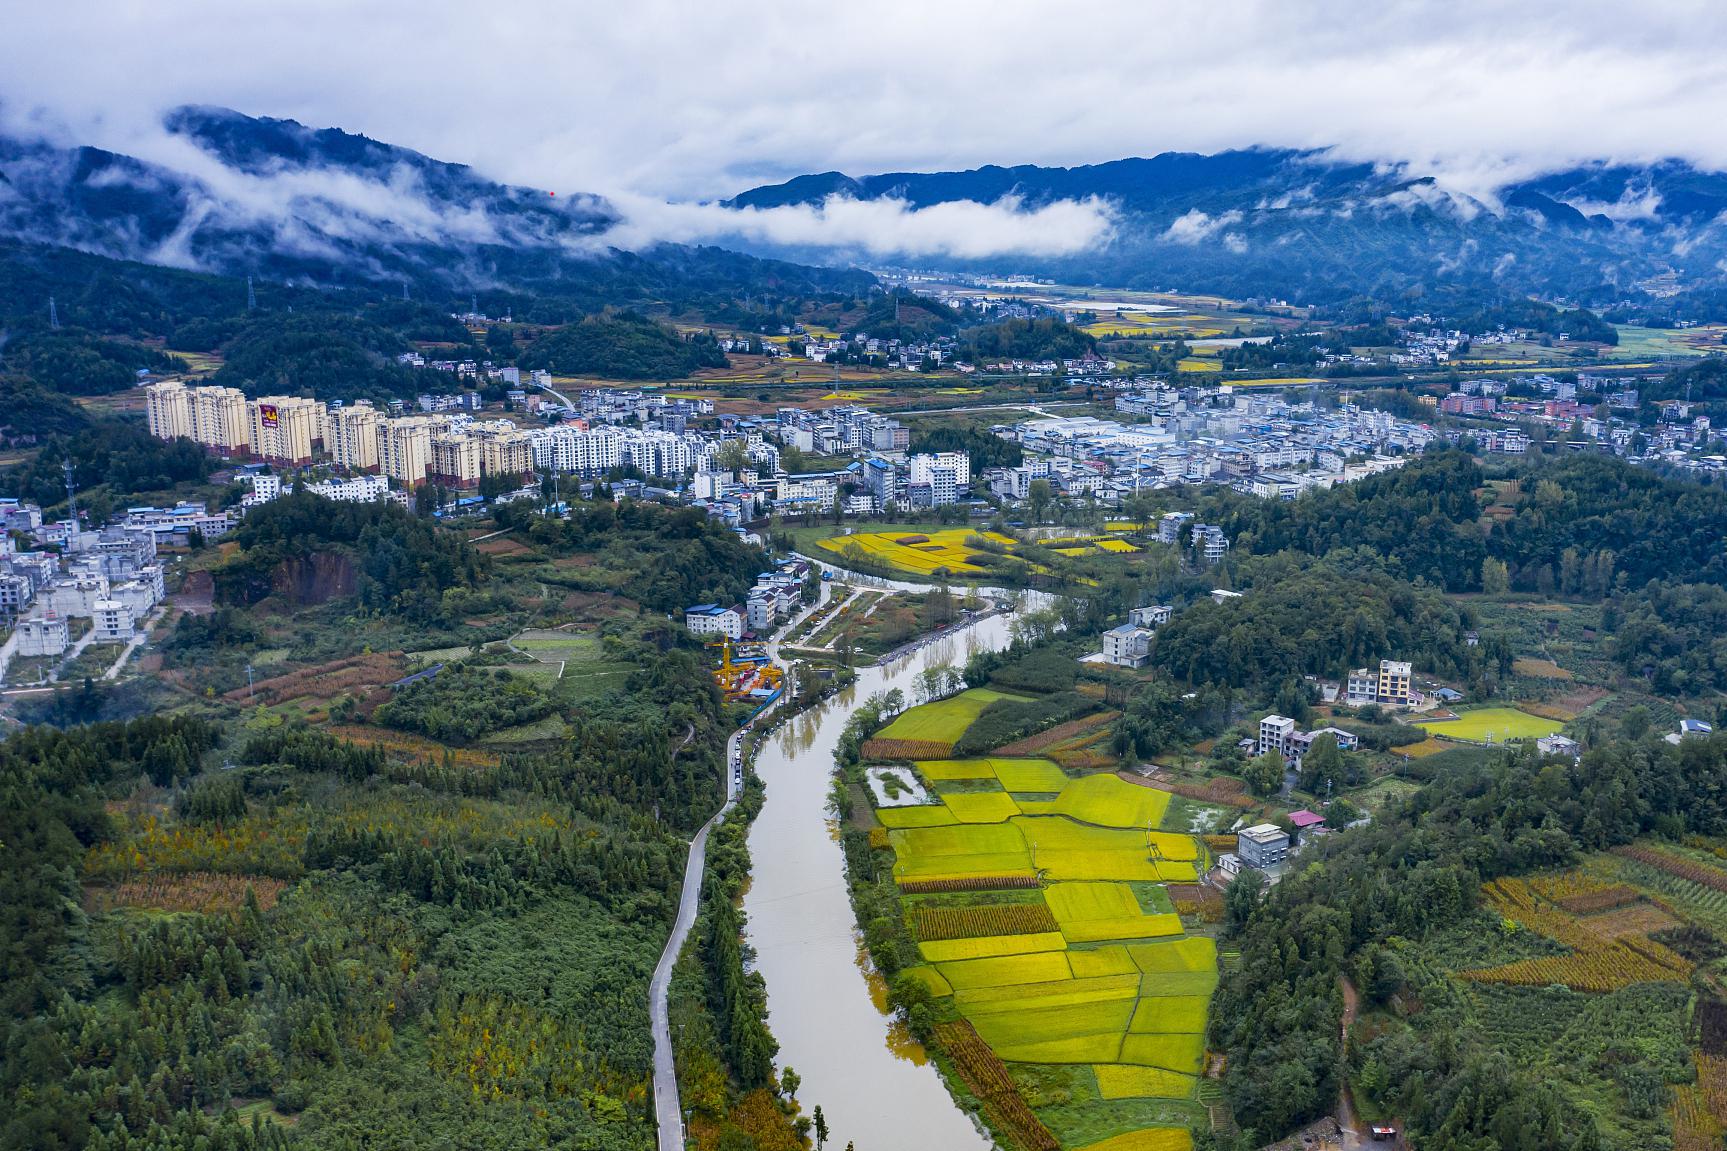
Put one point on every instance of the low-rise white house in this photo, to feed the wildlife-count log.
(1126, 646)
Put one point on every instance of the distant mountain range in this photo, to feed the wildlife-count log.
(242, 195)
(273, 198)
(1304, 225)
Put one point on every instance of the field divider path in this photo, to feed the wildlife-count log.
(668, 1106)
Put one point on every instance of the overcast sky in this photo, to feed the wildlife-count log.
(701, 99)
(656, 100)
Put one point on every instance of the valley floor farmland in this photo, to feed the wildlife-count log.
(1069, 1000)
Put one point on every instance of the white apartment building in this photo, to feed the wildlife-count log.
(924, 465)
(44, 635)
(1389, 684)
(1275, 734)
(1127, 645)
(113, 622)
(359, 490)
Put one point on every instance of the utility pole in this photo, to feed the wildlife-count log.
(248, 683)
(71, 492)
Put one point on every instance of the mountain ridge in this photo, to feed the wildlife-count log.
(1303, 223)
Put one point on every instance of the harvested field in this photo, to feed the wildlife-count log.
(986, 1076)
(879, 748)
(408, 746)
(932, 923)
(1061, 733)
(1636, 919)
(967, 883)
(324, 682)
(202, 892)
(1223, 791)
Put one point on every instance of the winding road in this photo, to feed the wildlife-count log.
(668, 1107)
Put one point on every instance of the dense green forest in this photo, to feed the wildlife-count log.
(331, 356)
(1622, 525)
(664, 558)
(624, 346)
(983, 449)
(348, 948)
(459, 704)
(1302, 617)
(1415, 875)
(75, 362)
(1046, 338)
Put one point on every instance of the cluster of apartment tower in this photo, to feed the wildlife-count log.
(454, 449)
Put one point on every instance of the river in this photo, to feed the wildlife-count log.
(870, 1079)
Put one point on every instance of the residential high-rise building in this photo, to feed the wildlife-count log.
(405, 449)
(455, 459)
(169, 410)
(353, 436)
(220, 419)
(284, 428)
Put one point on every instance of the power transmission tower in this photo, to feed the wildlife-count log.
(53, 313)
(404, 289)
(251, 296)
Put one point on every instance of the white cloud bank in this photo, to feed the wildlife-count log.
(963, 229)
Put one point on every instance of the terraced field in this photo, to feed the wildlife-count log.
(1115, 999)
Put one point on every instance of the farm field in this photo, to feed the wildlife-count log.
(1620, 952)
(917, 553)
(1493, 725)
(945, 720)
(1084, 976)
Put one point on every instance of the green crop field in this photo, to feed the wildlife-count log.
(1184, 1053)
(1104, 1047)
(1017, 1025)
(1107, 1036)
(1196, 954)
(928, 815)
(1039, 776)
(1183, 1013)
(1053, 994)
(945, 720)
(1494, 724)
(1146, 1139)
